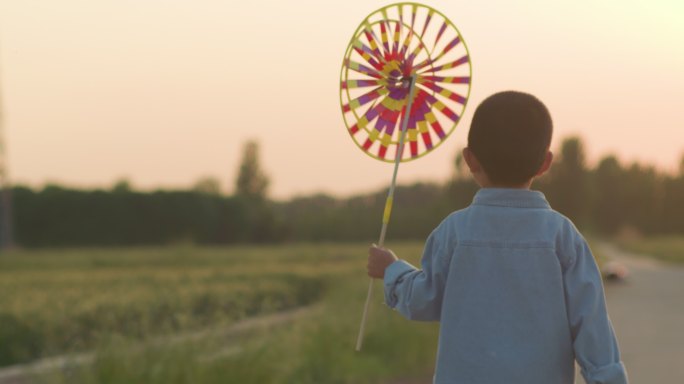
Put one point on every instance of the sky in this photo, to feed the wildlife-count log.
(165, 92)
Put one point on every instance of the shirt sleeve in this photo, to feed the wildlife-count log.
(417, 293)
(594, 341)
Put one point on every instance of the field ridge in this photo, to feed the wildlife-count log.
(22, 373)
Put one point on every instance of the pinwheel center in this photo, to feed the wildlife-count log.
(392, 69)
(397, 75)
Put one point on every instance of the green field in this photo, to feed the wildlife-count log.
(124, 303)
(666, 248)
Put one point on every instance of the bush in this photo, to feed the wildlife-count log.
(19, 342)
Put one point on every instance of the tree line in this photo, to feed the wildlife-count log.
(606, 199)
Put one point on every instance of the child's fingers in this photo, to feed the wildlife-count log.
(375, 252)
(373, 249)
(375, 246)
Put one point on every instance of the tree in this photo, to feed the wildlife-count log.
(609, 210)
(251, 181)
(568, 185)
(643, 197)
(122, 186)
(208, 186)
(251, 187)
(673, 202)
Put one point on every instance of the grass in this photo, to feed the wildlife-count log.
(52, 302)
(666, 248)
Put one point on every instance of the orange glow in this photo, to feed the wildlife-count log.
(165, 92)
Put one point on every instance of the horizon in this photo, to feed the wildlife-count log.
(165, 93)
(228, 192)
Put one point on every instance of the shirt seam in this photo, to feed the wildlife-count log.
(488, 244)
(514, 205)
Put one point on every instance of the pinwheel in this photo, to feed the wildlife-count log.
(405, 77)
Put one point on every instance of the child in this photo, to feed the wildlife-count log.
(512, 281)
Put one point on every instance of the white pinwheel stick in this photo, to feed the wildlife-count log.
(388, 202)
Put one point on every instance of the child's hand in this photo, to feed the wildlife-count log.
(378, 260)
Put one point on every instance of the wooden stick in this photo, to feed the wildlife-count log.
(388, 204)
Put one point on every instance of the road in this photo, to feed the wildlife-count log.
(647, 311)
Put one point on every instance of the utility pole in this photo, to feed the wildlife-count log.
(6, 241)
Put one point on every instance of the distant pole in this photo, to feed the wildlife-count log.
(6, 241)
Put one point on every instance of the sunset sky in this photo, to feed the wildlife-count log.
(164, 92)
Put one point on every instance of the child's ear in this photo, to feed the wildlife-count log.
(471, 160)
(548, 159)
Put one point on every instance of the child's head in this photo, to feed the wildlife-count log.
(509, 139)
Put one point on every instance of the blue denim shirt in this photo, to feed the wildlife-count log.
(517, 292)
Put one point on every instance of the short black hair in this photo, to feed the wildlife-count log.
(510, 134)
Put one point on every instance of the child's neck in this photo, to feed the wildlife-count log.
(484, 182)
(525, 186)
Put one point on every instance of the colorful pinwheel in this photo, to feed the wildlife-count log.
(391, 45)
(404, 56)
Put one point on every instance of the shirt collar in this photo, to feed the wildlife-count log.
(508, 197)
